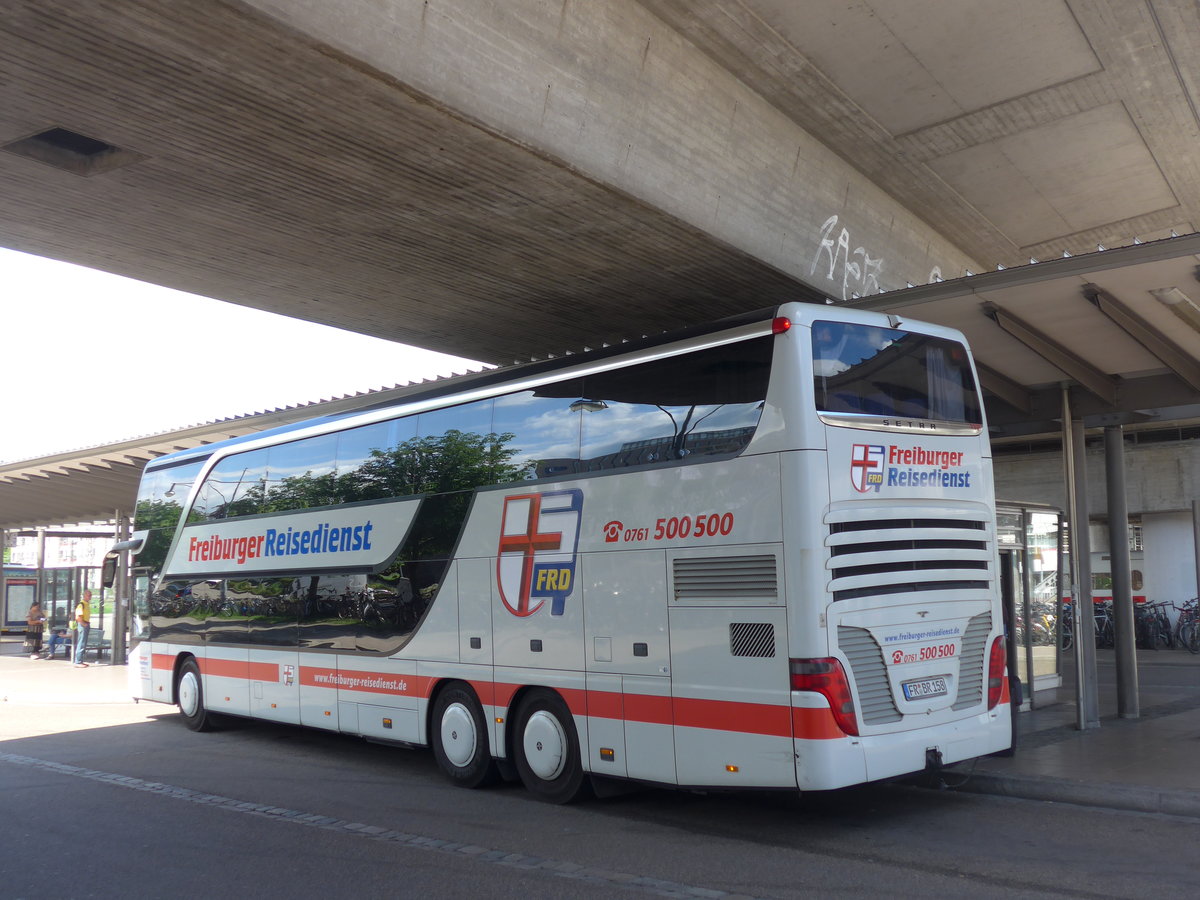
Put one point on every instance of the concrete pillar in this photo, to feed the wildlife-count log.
(1087, 704)
(1118, 548)
(121, 608)
(41, 574)
(1196, 540)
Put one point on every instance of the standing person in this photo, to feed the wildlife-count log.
(83, 624)
(33, 630)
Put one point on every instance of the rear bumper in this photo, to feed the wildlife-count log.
(839, 762)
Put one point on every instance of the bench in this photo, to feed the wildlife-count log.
(96, 642)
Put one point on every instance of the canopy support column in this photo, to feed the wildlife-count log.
(1087, 703)
(1118, 548)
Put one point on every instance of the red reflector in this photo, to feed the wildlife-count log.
(995, 683)
(780, 325)
(828, 678)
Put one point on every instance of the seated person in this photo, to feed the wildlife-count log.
(58, 637)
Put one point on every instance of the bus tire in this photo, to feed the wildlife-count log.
(189, 695)
(460, 737)
(546, 748)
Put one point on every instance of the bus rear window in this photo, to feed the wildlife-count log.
(877, 371)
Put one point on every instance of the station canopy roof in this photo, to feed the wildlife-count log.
(93, 483)
(1119, 327)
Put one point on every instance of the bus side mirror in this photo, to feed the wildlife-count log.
(108, 569)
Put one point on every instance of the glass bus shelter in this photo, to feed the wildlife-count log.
(1034, 576)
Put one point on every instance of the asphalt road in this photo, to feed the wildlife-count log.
(113, 799)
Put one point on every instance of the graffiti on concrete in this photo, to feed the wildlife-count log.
(856, 270)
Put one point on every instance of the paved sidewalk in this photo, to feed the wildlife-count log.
(56, 682)
(1149, 764)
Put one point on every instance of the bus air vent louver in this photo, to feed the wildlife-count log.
(873, 555)
(752, 639)
(970, 664)
(869, 672)
(746, 578)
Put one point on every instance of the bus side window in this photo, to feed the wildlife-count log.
(544, 429)
(300, 474)
(234, 487)
(362, 456)
(706, 403)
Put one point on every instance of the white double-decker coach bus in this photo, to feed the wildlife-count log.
(757, 554)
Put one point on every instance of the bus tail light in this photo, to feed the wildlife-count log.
(828, 678)
(995, 681)
(780, 324)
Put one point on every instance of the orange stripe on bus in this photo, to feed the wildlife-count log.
(604, 704)
(260, 671)
(721, 715)
(726, 715)
(815, 724)
(648, 708)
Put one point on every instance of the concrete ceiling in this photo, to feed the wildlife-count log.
(262, 167)
(1021, 129)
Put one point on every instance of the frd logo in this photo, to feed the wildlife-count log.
(866, 467)
(539, 540)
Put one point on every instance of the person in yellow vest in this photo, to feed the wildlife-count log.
(83, 624)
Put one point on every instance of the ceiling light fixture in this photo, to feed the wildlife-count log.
(1179, 303)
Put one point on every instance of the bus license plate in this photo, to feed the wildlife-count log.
(926, 687)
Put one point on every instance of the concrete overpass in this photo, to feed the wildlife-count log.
(505, 180)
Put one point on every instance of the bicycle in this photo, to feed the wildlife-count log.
(1187, 626)
(1166, 634)
(1103, 633)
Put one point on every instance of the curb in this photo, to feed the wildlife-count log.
(1108, 796)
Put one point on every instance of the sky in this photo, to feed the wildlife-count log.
(74, 344)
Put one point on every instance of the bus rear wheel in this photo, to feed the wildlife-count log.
(189, 694)
(546, 747)
(460, 738)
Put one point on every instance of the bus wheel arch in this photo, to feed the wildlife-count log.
(459, 736)
(189, 694)
(545, 747)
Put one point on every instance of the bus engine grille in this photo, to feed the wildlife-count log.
(875, 552)
(970, 664)
(869, 672)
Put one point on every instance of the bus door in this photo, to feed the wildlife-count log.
(729, 667)
(627, 655)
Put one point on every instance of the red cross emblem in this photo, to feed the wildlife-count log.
(866, 467)
(535, 560)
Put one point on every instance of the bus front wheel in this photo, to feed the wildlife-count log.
(546, 747)
(460, 741)
(189, 694)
